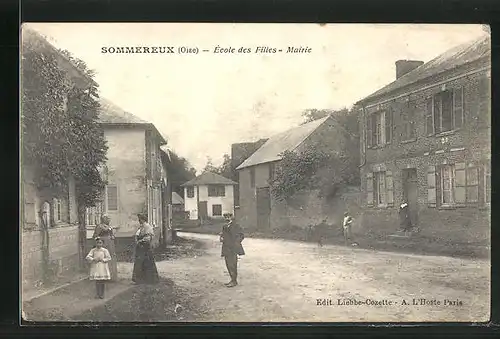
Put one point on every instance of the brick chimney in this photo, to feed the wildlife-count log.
(406, 66)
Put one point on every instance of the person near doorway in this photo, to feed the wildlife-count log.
(106, 233)
(145, 270)
(231, 238)
(346, 227)
(98, 258)
(404, 218)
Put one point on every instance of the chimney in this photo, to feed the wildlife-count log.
(406, 66)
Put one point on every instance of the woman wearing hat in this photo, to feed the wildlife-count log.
(404, 217)
(145, 270)
(106, 233)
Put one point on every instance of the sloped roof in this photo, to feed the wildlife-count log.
(176, 199)
(279, 143)
(209, 178)
(453, 58)
(112, 114)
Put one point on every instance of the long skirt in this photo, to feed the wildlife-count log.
(109, 244)
(145, 271)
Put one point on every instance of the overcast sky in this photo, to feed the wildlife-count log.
(203, 103)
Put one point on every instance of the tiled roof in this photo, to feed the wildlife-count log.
(209, 178)
(285, 141)
(455, 57)
(112, 114)
(176, 199)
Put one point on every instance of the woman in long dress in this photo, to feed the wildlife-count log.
(145, 270)
(106, 233)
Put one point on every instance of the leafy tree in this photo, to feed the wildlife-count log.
(317, 169)
(225, 169)
(209, 167)
(61, 136)
(179, 171)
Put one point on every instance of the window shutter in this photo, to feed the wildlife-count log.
(369, 189)
(388, 125)
(472, 181)
(369, 131)
(431, 186)
(429, 120)
(458, 107)
(389, 188)
(459, 183)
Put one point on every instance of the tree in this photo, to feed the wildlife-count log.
(61, 135)
(225, 169)
(179, 171)
(209, 167)
(317, 169)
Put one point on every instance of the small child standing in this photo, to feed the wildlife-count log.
(347, 223)
(98, 258)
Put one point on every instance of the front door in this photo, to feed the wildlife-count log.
(202, 211)
(263, 208)
(410, 193)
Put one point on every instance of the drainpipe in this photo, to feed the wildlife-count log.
(362, 133)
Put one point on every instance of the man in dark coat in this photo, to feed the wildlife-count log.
(231, 238)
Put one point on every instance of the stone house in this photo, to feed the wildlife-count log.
(135, 173)
(426, 141)
(258, 208)
(49, 220)
(239, 153)
(209, 196)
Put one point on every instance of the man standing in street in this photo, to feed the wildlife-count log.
(231, 238)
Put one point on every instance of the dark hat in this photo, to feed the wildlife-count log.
(142, 216)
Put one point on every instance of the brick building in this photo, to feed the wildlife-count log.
(49, 219)
(135, 172)
(258, 208)
(426, 140)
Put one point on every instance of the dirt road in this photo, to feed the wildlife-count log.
(285, 280)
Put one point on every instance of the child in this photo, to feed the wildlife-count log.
(347, 227)
(98, 258)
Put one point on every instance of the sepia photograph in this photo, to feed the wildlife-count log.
(237, 172)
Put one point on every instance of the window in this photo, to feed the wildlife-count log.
(408, 123)
(57, 210)
(379, 128)
(216, 190)
(380, 189)
(472, 182)
(447, 184)
(252, 177)
(217, 210)
(445, 111)
(112, 193)
(458, 184)
(93, 214)
(190, 192)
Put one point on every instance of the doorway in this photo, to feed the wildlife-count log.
(203, 211)
(263, 208)
(410, 193)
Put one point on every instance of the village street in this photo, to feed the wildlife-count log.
(282, 280)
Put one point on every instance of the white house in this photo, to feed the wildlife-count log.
(209, 195)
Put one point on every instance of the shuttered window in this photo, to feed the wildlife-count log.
(431, 186)
(389, 188)
(447, 185)
(487, 184)
(458, 107)
(369, 131)
(190, 192)
(429, 120)
(388, 125)
(472, 182)
(369, 189)
(459, 188)
(112, 192)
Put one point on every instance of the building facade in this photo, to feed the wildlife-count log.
(426, 141)
(209, 196)
(258, 208)
(49, 219)
(135, 174)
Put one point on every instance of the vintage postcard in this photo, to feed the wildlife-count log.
(255, 172)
